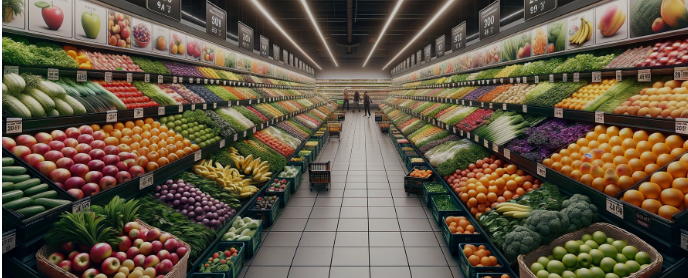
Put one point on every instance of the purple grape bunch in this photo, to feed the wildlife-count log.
(199, 207)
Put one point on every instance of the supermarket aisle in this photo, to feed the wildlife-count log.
(365, 226)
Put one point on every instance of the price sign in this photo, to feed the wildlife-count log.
(174, 79)
(541, 170)
(161, 110)
(558, 113)
(111, 116)
(222, 143)
(180, 79)
(619, 75)
(83, 204)
(193, 107)
(214, 105)
(108, 77)
(525, 109)
(482, 104)
(81, 76)
(205, 81)
(565, 77)
(11, 69)
(245, 36)
(682, 125)
(599, 117)
(197, 155)
(181, 108)
(486, 144)
(504, 106)
(215, 19)
(168, 8)
(644, 75)
(13, 125)
(160, 79)
(138, 113)
(428, 50)
(576, 77)
(454, 130)
(244, 133)
(524, 79)
(264, 46)
(615, 207)
(507, 153)
(146, 78)
(470, 103)
(9, 241)
(596, 77)
(458, 37)
(537, 79)
(551, 78)
(535, 8)
(490, 105)
(53, 74)
(439, 46)
(681, 73)
(236, 136)
(684, 240)
(495, 147)
(254, 129)
(511, 80)
(489, 21)
(642, 218)
(275, 52)
(146, 180)
(518, 80)
(476, 138)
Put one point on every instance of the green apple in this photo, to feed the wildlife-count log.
(91, 24)
(597, 256)
(568, 274)
(584, 260)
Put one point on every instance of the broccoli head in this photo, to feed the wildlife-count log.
(549, 224)
(521, 241)
(575, 199)
(580, 215)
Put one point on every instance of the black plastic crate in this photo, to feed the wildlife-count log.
(238, 263)
(415, 185)
(268, 216)
(252, 244)
(471, 271)
(427, 194)
(284, 196)
(453, 240)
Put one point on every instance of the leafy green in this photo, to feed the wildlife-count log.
(584, 62)
(150, 66)
(548, 94)
(117, 212)
(82, 228)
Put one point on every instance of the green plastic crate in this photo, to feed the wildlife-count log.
(471, 271)
(439, 214)
(238, 263)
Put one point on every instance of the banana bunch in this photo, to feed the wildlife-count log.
(230, 178)
(584, 33)
(249, 166)
(513, 210)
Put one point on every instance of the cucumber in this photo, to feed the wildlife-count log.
(7, 186)
(31, 211)
(50, 203)
(36, 189)
(7, 161)
(48, 194)
(18, 204)
(13, 170)
(27, 184)
(15, 179)
(12, 195)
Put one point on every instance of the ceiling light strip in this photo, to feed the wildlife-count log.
(305, 6)
(421, 31)
(260, 7)
(391, 16)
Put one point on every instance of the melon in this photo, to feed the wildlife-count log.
(643, 13)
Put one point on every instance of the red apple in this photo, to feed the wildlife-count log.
(43, 137)
(8, 143)
(67, 247)
(56, 145)
(181, 251)
(58, 135)
(137, 242)
(130, 226)
(164, 267)
(142, 233)
(72, 132)
(99, 135)
(151, 261)
(33, 159)
(96, 154)
(56, 258)
(41, 148)
(81, 262)
(68, 152)
(142, 161)
(107, 182)
(163, 254)
(82, 158)
(171, 245)
(74, 182)
(79, 170)
(122, 167)
(85, 139)
(70, 142)
(66, 265)
(153, 234)
(72, 255)
(134, 234)
(129, 163)
(125, 244)
(139, 259)
(84, 129)
(157, 246)
(76, 193)
(53, 17)
(90, 189)
(123, 176)
(132, 251)
(93, 177)
(110, 149)
(96, 165)
(65, 162)
(60, 175)
(110, 266)
(164, 237)
(90, 273)
(136, 171)
(46, 167)
(110, 170)
(121, 256)
(146, 248)
(21, 151)
(83, 148)
(125, 155)
(100, 252)
(26, 140)
(97, 144)
(110, 159)
(174, 258)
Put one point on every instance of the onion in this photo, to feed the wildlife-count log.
(183, 200)
(198, 210)
(213, 209)
(163, 192)
(206, 221)
(191, 214)
(176, 203)
(158, 188)
(177, 196)
(169, 182)
(157, 195)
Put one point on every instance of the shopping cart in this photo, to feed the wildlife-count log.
(319, 174)
(334, 128)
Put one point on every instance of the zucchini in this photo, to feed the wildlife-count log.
(7, 186)
(7, 161)
(50, 203)
(18, 204)
(48, 194)
(34, 106)
(42, 98)
(13, 170)
(15, 179)
(31, 211)
(12, 195)
(63, 107)
(36, 189)
(15, 107)
(27, 184)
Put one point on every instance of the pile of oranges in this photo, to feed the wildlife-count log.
(584, 95)
(459, 225)
(479, 256)
(666, 193)
(611, 160)
(420, 173)
(489, 182)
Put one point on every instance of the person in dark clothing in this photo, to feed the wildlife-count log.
(366, 104)
(346, 100)
(357, 98)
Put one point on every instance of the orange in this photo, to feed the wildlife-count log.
(467, 251)
(587, 179)
(681, 184)
(674, 141)
(606, 147)
(582, 142)
(631, 153)
(648, 157)
(677, 152)
(678, 169)
(636, 164)
(136, 138)
(180, 153)
(638, 176)
(485, 261)
(119, 126)
(612, 131)
(625, 182)
(573, 148)
(684, 158)
(663, 179)
(629, 143)
(626, 133)
(162, 161)
(474, 260)
(615, 141)
(633, 197)
(620, 160)
(685, 145)
(618, 150)
(107, 128)
(651, 168)
(608, 157)
(116, 133)
(640, 135)
(671, 196)
(547, 162)
(643, 146)
(556, 157)
(600, 129)
(591, 136)
(661, 148)
(651, 205)
(149, 120)
(566, 160)
(664, 159)
(575, 174)
(111, 141)
(612, 190)
(140, 122)
(667, 212)
(576, 156)
(603, 138)
(129, 124)
(95, 127)
(656, 138)
(481, 197)
(556, 166)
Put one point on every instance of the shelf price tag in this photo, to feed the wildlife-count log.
(537, 79)
(463, 102)
(482, 104)
(470, 103)
(244, 133)
(681, 73)
(486, 144)
(644, 75)
(214, 105)
(541, 170)
(83, 204)
(596, 76)
(205, 81)
(559, 113)
(174, 79)
(222, 143)
(454, 130)
(619, 75)
(254, 129)
(9, 241)
(565, 77)
(476, 138)
(524, 79)
(507, 153)
(576, 77)
(146, 77)
(525, 108)
(160, 79)
(511, 80)
(13, 125)
(108, 77)
(197, 155)
(11, 69)
(181, 108)
(236, 137)
(551, 78)
(615, 207)
(495, 147)
(198, 80)
(682, 126)
(111, 116)
(138, 113)
(490, 105)
(205, 106)
(146, 180)
(684, 240)
(225, 82)
(599, 117)
(54, 74)
(193, 107)
(81, 76)
(504, 106)
(161, 110)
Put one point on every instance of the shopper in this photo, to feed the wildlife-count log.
(357, 98)
(346, 100)
(366, 104)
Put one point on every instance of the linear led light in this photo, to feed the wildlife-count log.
(260, 7)
(421, 31)
(391, 16)
(305, 6)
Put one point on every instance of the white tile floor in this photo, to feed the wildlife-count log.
(364, 226)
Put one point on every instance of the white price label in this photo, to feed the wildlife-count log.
(9, 241)
(197, 155)
(507, 153)
(470, 103)
(214, 105)
(684, 240)
(205, 106)
(146, 180)
(495, 148)
(619, 75)
(476, 138)
(130, 77)
(463, 102)
(541, 170)
(81, 76)
(615, 207)
(559, 113)
(644, 75)
(245, 134)
(160, 79)
(236, 137)
(599, 117)
(511, 80)
(482, 104)
(537, 79)
(576, 77)
(681, 73)
(682, 126)
(454, 130)
(205, 81)
(13, 125)
(193, 107)
(198, 80)
(180, 79)
(596, 76)
(254, 129)
(504, 106)
(53, 74)
(78, 206)
(237, 103)
(138, 113)
(161, 111)
(111, 116)
(565, 77)
(146, 77)
(525, 109)
(501, 80)
(524, 79)
(490, 105)
(486, 144)
(181, 108)
(174, 79)
(108, 77)
(11, 69)
(225, 83)
(551, 78)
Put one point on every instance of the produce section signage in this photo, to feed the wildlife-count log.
(535, 8)
(264, 46)
(215, 21)
(428, 52)
(276, 52)
(413, 59)
(419, 56)
(285, 56)
(291, 59)
(439, 47)
(245, 36)
(489, 21)
(52, 18)
(459, 37)
(168, 8)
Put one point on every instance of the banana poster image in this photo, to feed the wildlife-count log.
(580, 29)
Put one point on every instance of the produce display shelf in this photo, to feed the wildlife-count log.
(670, 248)
(38, 124)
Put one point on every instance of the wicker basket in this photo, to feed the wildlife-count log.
(524, 261)
(49, 269)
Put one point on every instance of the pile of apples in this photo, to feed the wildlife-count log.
(667, 100)
(669, 53)
(141, 253)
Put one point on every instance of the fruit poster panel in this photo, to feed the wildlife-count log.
(580, 29)
(161, 40)
(140, 35)
(119, 29)
(612, 24)
(193, 48)
(177, 44)
(53, 18)
(208, 52)
(13, 13)
(556, 36)
(539, 38)
(91, 22)
(649, 17)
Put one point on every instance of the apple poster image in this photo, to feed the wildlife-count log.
(612, 22)
(54, 17)
(580, 29)
(119, 29)
(193, 49)
(14, 17)
(177, 44)
(91, 22)
(161, 40)
(208, 53)
(141, 35)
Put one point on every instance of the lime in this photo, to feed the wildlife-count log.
(559, 252)
(192, 137)
(535, 267)
(586, 237)
(597, 256)
(633, 266)
(584, 249)
(580, 242)
(570, 260)
(185, 133)
(542, 274)
(622, 270)
(572, 247)
(607, 264)
(620, 258)
(584, 273)
(630, 252)
(543, 260)
(555, 266)
(202, 145)
(185, 126)
(608, 250)
(163, 120)
(597, 272)
(178, 129)
(599, 237)
(171, 124)
(642, 258)
(568, 274)
(177, 122)
(184, 120)
(550, 257)
(178, 116)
